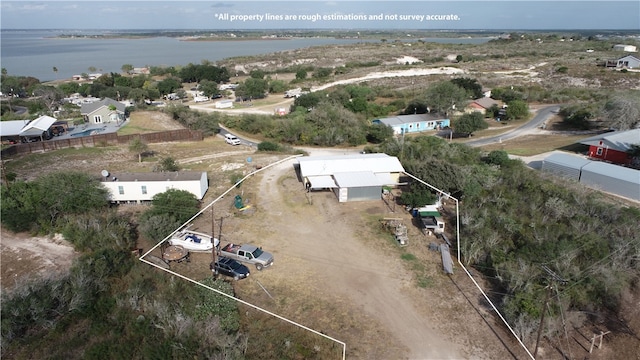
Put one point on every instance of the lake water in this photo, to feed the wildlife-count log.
(35, 53)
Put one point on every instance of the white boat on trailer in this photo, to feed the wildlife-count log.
(194, 240)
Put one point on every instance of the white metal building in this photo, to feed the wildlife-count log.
(141, 187)
(354, 177)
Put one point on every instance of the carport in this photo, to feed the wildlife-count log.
(320, 182)
(38, 128)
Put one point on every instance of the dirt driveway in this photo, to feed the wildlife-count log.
(334, 253)
(341, 263)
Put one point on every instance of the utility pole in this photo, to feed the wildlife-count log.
(553, 277)
(213, 235)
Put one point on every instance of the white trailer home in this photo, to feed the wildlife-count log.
(224, 104)
(142, 187)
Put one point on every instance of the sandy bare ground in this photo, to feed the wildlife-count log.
(23, 257)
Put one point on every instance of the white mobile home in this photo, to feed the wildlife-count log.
(224, 104)
(142, 187)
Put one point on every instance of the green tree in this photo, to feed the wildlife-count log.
(257, 74)
(209, 88)
(19, 208)
(321, 73)
(69, 88)
(138, 147)
(498, 157)
(70, 193)
(517, 109)
(576, 117)
(378, 133)
(301, 74)
(168, 211)
(308, 101)
(167, 164)
(168, 85)
(252, 88)
(473, 88)
(277, 86)
(126, 68)
(470, 123)
(445, 96)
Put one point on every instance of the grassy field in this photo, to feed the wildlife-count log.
(141, 122)
(537, 144)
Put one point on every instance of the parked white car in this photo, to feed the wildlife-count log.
(201, 99)
(231, 139)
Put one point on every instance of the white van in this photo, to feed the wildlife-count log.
(231, 139)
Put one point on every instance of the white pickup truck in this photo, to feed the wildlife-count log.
(248, 254)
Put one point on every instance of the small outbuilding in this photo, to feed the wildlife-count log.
(625, 48)
(354, 177)
(142, 187)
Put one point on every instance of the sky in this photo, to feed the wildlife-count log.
(317, 14)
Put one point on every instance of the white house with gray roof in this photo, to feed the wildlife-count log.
(142, 187)
(353, 177)
(104, 111)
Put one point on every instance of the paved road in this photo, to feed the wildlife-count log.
(541, 116)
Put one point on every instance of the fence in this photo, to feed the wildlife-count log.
(102, 140)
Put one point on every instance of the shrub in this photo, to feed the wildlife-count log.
(268, 146)
(498, 157)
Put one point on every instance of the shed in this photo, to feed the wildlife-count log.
(611, 178)
(357, 186)
(625, 47)
(565, 165)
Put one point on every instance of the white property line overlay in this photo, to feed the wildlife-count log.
(344, 345)
(465, 269)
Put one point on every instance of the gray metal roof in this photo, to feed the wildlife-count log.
(331, 165)
(571, 161)
(616, 140)
(155, 176)
(91, 107)
(614, 171)
(356, 179)
(409, 119)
